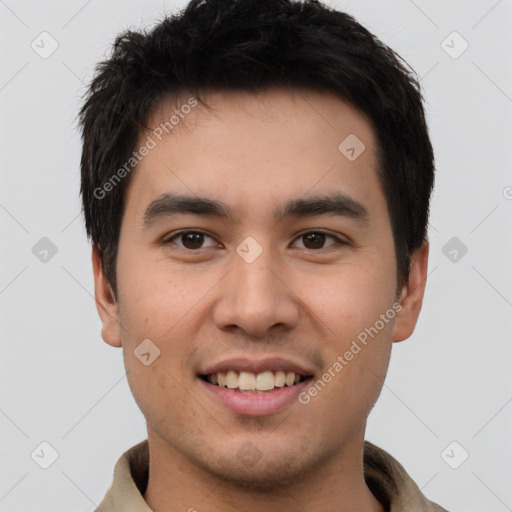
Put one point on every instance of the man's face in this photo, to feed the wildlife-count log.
(255, 290)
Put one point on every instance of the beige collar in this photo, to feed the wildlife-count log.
(385, 477)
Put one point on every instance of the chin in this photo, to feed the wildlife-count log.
(262, 473)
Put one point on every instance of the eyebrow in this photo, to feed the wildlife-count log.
(336, 204)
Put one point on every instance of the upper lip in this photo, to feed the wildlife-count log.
(257, 366)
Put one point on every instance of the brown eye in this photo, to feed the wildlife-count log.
(191, 240)
(315, 240)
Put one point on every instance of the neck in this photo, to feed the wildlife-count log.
(336, 485)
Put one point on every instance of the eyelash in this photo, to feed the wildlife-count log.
(339, 242)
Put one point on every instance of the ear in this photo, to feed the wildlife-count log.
(105, 302)
(411, 297)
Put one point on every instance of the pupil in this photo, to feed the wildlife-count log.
(196, 240)
(317, 239)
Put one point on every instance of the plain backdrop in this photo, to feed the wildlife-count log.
(449, 389)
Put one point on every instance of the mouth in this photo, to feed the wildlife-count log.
(255, 383)
(255, 388)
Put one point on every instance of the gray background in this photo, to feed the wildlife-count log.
(60, 383)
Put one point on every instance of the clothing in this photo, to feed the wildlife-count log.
(384, 476)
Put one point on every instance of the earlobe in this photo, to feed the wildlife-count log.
(411, 298)
(106, 303)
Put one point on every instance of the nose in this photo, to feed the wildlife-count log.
(256, 298)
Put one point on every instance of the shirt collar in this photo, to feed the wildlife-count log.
(385, 477)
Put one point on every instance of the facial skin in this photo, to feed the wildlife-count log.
(300, 300)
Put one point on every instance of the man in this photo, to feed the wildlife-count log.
(256, 178)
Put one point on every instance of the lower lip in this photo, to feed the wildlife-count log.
(256, 404)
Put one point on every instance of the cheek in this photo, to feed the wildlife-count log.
(161, 305)
(155, 299)
(155, 306)
(350, 307)
(349, 300)
(356, 361)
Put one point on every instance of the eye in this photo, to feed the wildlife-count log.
(190, 240)
(315, 240)
(194, 240)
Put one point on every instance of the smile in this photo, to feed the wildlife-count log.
(249, 382)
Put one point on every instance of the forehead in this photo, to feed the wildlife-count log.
(249, 149)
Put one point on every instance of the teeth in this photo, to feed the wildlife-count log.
(250, 382)
(231, 380)
(265, 381)
(247, 380)
(279, 379)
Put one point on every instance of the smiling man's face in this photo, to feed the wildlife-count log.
(288, 258)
